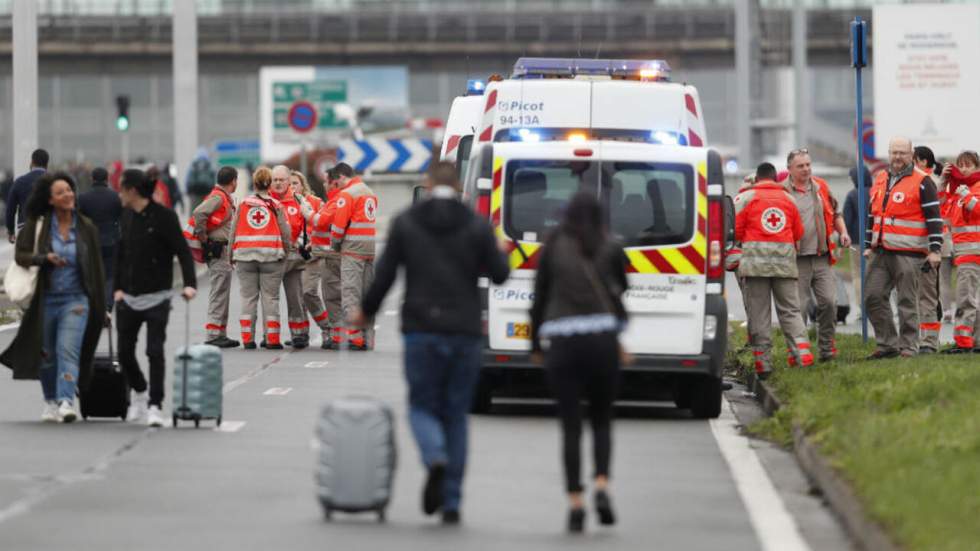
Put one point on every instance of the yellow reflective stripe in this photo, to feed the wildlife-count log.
(515, 259)
(678, 261)
(703, 205)
(703, 169)
(497, 163)
(641, 262)
(700, 244)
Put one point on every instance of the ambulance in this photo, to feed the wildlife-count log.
(464, 118)
(622, 130)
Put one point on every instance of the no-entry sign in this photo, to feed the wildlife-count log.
(302, 116)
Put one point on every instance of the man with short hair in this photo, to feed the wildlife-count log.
(23, 186)
(822, 224)
(102, 206)
(444, 248)
(330, 278)
(904, 238)
(212, 224)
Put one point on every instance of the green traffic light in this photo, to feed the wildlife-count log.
(122, 123)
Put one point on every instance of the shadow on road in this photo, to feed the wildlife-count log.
(624, 410)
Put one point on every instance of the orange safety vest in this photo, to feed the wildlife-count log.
(768, 225)
(899, 224)
(320, 236)
(257, 228)
(293, 214)
(966, 227)
(218, 218)
(353, 222)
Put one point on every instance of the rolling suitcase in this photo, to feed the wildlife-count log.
(357, 456)
(198, 381)
(107, 394)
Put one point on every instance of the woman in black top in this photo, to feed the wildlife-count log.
(576, 317)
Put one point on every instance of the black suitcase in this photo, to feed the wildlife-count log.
(108, 391)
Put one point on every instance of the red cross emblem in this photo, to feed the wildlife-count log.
(370, 208)
(773, 220)
(257, 218)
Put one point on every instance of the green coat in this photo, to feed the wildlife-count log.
(23, 355)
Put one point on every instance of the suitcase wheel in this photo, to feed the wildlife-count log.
(382, 517)
(219, 421)
(327, 513)
(197, 422)
(175, 421)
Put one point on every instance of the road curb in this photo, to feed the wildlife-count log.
(868, 534)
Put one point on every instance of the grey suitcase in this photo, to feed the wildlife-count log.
(198, 382)
(357, 456)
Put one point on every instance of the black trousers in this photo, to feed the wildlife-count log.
(128, 323)
(109, 264)
(584, 367)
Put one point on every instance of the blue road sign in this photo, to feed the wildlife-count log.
(302, 116)
(402, 155)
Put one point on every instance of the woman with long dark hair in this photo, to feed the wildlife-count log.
(59, 331)
(576, 319)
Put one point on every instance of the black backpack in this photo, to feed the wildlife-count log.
(200, 181)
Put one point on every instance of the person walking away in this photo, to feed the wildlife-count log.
(313, 269)
(576, 317)
(151, 238)
(60, 330)
(101, 205)
(200, 179)
(853, 224)
(292, 279)
(769, 227)
(444, 249)
(930, 308)
(20, 192)
(330, 280)
(964, 182)
(161, 193)
(823, 225)
(210, 229)
(352, 234)
(260, 243)
(169, 178)
(904, 237)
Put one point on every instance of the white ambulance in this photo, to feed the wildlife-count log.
(464, 119)
(620, 129)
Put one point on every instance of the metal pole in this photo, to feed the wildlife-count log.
(743, 81)
(862, 208)
(25, 136)
(801, 104)
(185, 84)
(124, 147)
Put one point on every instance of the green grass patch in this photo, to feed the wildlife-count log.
(905, 433)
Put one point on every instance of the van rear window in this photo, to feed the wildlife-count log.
(646, 204)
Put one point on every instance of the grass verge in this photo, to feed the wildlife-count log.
(905, 433)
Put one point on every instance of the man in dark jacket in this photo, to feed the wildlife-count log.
(20, 191)
(444, 248)
(103, 208)
(151, 238)
(852, 221)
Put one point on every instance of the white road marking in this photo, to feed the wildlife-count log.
(230, 426)
(376, 327)
(9, 326)
(774, 526)
(391, 312)
(316, 365)
(278, 391)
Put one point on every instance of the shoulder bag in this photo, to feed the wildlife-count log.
(20, 282)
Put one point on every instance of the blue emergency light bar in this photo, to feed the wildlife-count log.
(656, 70)
(475, 87)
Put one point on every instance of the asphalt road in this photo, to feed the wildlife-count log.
(678, 483)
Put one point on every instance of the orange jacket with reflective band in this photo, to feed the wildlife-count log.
(829, 214)
(899, 225)
(293, 214)
(215, 220)
(352, 227)
(322, 218)
(257, 232)
(768, 225)
(966, 227)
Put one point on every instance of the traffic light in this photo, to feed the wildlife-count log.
(122, 117)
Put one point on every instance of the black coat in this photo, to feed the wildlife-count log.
(103, 207)
(17, 199)
(23, 355)
(150, 240)
(444, 248)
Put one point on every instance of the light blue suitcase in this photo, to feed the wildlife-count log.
(198, 382)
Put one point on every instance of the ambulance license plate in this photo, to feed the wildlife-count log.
(519, 331)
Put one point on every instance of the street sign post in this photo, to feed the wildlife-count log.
(303, 110)
(859, 60)
(302, 116)
(240, 153)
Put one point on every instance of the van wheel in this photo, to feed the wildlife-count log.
(483, 397)
(706, 398)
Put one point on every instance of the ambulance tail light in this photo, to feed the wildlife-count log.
(716, 223)
(483, 204)
(582, 152)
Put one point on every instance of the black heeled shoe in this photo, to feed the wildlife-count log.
(604, 508)
(576, 520)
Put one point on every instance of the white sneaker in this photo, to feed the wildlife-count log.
(50, 414)
(154, 417)
(137, 407)
(67, 413)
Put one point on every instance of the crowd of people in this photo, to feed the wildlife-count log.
(922, 219)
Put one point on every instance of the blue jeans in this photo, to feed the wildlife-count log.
(442, 371)
(65, 319)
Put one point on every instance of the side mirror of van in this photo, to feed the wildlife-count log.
(729, 221)
(418, 193)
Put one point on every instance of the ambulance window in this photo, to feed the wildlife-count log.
(463, 155)
(649, 203)
(536, 191)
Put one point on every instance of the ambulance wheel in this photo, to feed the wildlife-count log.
(706, 398)
(482, 398)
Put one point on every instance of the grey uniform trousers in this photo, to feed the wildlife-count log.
(356, 275)
(312, 303)
(255, 280)
(219, 295)
(967, 328)
(331, 294)
(760, 293)
(929, 316)
(887, 271)
(817, 274)
(292, 284)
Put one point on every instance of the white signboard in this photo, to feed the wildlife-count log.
(926, 61)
